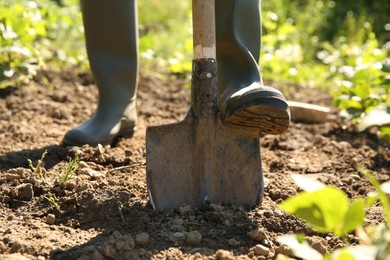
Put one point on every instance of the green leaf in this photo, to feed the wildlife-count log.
(354, 216)
(318, 208)
(355, 253)
(342, 254)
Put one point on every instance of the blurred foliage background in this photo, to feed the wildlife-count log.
(340, 45)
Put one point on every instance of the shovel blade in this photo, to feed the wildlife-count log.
(184, 167)
(169, 166)
(237, 177)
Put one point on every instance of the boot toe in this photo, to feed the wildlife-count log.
(76, 137)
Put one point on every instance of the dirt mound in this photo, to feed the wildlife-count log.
(104, 212)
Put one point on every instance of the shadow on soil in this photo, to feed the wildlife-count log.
(55, 154)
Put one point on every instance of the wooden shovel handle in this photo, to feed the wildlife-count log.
(203, 18)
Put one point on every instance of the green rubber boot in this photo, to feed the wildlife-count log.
(111, 35)
(242, 98)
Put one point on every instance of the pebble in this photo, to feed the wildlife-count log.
(222, 254)
(194, 238)
(233, 242)
(217, 207)
(177, 221)
(97, 256)
(50, 219)
(109, 251)
(185, 210)
(26, 191)
(142, 239)
(283, 249)
(125, 243)
(178, 235)
(261, 250)
(257, 234)
(278, 213)
(318, 243)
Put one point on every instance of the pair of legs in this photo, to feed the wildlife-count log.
(112, 45)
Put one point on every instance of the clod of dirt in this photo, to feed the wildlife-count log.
(257, 234)
(261, 250)
(318, 243)
(224, 255)
(194, 238)
(26, 191)
(185, 210)
(142, 239)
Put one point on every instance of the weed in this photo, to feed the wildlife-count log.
(37, 170)
(53, 201)
(70, 170)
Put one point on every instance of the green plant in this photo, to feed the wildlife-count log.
(70, 170)
(34, 33)
(316, 205)
(318, 208)
(53, 201)
(37, 170)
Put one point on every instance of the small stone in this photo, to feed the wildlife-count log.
(278, 213)
(222, 254)
(116, 234)
(233, 242)
(99, 149)
(177, 221)
(185, 210)
(217, 207)
(257, 234)
(284, 250)
(125, 243)
(83, 164)
(142, 239)
(89, 249)
(50, 219)
(318, 243)
(97, 256)
(109, 251)
(194, 238)
(130, 242)
(178, 235)
(16, 247)
(2, 247)
(26, 191)
(94, 175)
(261, 250)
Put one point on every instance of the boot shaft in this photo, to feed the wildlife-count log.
(239, 21)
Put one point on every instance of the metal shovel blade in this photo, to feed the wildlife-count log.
(185, 167)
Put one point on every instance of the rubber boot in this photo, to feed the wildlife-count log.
(242, 98)
(111, 35)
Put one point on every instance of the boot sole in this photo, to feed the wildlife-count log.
(264, 118)
(271, 118)
(124, 133)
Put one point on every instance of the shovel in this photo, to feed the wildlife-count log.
(201, 159)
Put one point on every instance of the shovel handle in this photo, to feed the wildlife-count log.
(203, 18)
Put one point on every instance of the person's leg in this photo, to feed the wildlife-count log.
(242, 98)
(112, 45)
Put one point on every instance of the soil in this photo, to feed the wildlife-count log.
(104, 211)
